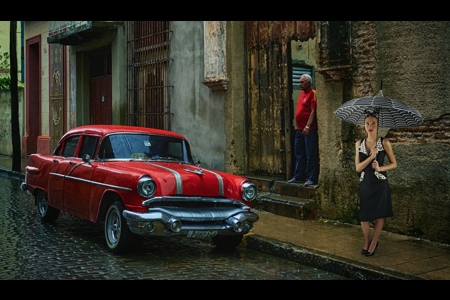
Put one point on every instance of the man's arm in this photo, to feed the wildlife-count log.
(310, 120)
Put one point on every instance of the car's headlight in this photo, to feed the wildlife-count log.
(249, 191)
(146, 187)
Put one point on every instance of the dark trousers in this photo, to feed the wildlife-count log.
(306, 154)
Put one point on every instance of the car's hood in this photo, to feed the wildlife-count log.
(182, 179)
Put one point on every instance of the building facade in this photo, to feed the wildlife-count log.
(231, 88)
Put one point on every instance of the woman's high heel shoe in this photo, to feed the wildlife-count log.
(369, 253)
(364, 251)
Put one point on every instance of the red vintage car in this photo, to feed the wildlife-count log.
(139, 182)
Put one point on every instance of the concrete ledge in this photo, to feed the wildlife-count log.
(322, 260)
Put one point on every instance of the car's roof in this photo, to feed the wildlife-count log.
(107, 129)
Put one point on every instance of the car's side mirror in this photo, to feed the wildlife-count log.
(86, 158)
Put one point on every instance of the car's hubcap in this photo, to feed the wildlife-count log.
(114, 227)
(43, 205)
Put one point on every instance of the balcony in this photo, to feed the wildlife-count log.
(77, 32)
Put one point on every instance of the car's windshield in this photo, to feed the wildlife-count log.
(144, 147)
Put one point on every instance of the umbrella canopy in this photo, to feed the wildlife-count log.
(391, 113)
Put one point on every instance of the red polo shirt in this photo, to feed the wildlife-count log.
(306, 102)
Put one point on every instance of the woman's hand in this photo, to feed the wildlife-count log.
(374, 152)
(376, 166)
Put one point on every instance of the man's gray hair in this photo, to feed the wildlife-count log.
(307, 77)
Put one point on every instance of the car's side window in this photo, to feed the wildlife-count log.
(70, 146)
(106, 151)
(88, 146)
(58, 151)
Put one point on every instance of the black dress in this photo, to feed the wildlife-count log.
(374, 193)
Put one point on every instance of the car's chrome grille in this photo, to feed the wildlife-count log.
(196, 208)
(193, 202)
(198, 214)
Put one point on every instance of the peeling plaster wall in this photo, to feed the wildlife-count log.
(197, 111)
(413, 62)
(5, 121)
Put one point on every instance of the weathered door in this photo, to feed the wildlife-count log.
(101, 100)
(101, 87)
(57, 94)
(268, 102)
(270, 109)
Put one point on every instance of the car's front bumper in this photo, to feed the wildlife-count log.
(195, 222)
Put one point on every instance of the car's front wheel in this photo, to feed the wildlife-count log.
(117, 233)
(46, 212)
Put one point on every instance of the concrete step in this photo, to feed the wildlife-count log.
(286, 206)
(293, 200)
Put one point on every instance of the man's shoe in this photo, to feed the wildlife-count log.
(309, 182)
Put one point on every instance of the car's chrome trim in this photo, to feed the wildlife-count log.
(177, 177)
(160, 200)
(219, 178)
(92, 182)
(202, 220)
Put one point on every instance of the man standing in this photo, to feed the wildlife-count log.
(306, 139)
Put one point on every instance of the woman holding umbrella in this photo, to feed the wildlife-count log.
(375, 195)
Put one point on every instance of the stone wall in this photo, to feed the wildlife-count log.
(413, 64)
(5, 121)
(411, 61)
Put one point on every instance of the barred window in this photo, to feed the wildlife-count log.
(148, 102)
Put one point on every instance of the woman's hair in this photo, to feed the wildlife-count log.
(371, 115)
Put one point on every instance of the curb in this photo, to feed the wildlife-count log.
(322, 260)
(12, 174)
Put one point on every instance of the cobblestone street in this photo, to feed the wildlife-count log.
(73, 248)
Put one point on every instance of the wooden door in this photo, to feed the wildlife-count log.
(101, 100)
(57, 94)
(269, 109)
(101, 87)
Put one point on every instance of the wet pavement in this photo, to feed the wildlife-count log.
(322, 244)
(74, 248)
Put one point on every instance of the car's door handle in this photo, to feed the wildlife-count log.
(55, 160)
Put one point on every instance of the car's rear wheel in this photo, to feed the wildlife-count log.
(117, 233)
(46, 212)
(227, 242)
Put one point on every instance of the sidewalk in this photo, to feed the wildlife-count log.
(6, 167)
(335, 246)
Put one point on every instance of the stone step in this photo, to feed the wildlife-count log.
(286, 206)
(276, 186)
(293, 200)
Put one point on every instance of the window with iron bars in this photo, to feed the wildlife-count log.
(148, 102)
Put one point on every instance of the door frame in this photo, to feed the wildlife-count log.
(33, 118)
